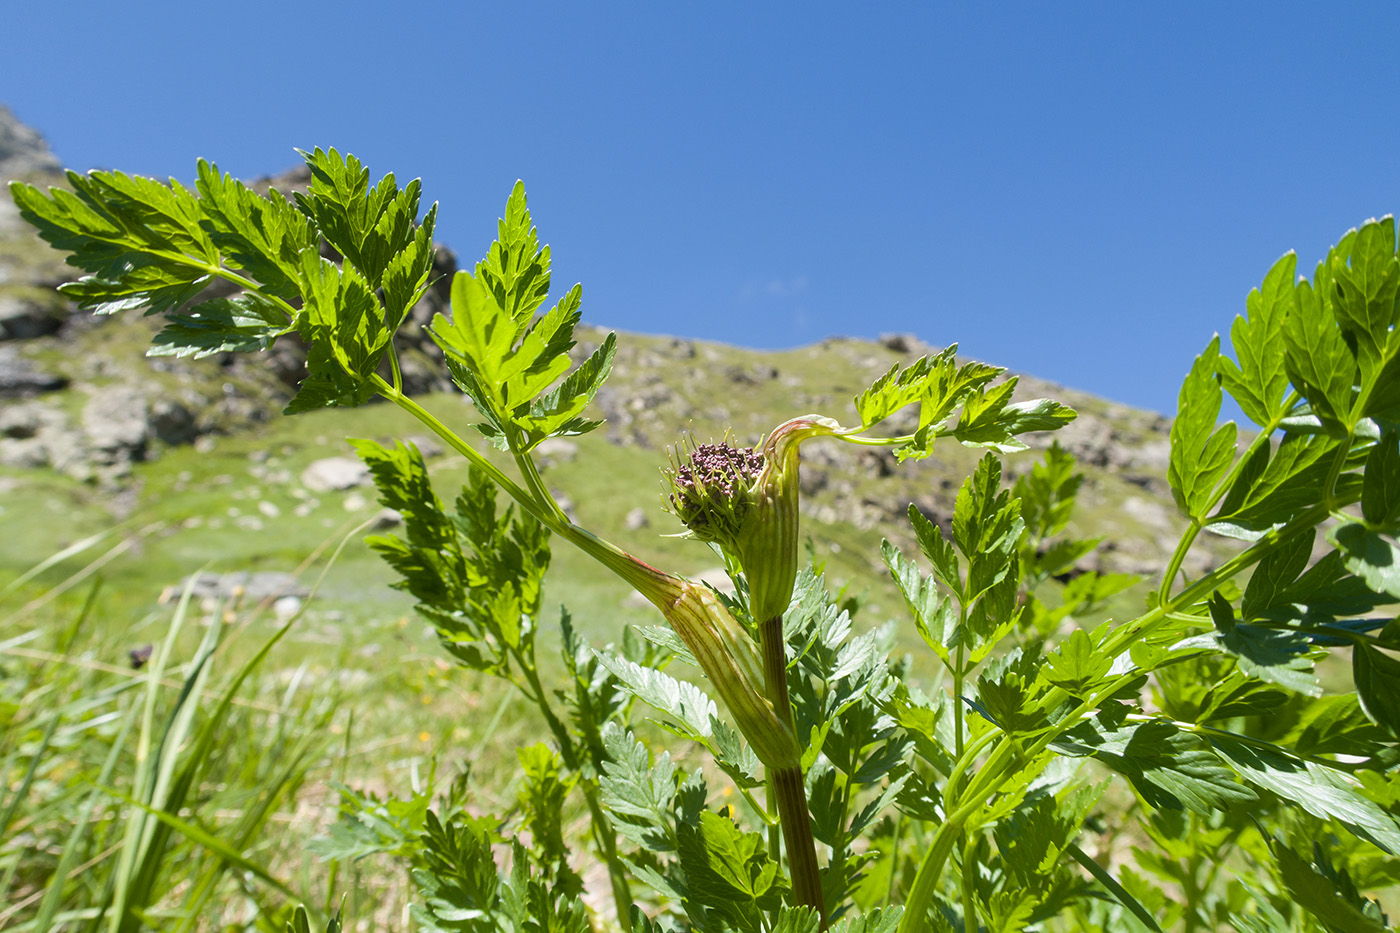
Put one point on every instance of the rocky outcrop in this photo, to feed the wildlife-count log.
(23, 151)
(22, 378)
(115, 408)
(132, 406)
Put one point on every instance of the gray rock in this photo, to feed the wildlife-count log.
(385, 519)
(636, 519)
(903, 343)
(20, 378)
(171, 422)
(22, 149)
(24, 318)
(242, 585)
(334, 473)
(115, 421)
(553, 450)
(428, 445)
(23, 453)
(20, 421)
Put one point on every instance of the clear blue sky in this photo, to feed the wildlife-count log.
(1083, 191)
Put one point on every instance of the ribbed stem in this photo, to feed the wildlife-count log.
(786, 784)
(797, 835)
(770, 643)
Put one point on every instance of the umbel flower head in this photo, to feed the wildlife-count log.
(746, 502)
(712, 491)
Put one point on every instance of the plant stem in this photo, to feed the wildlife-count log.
(958, 673)
(786, 786)
(969, 882)
(604, 836)
(797, 833)
(894, 856)
(477, 459)
(1177, 558)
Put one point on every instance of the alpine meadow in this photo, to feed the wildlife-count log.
(1014, 743)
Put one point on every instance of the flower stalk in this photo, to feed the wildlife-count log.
(747, 504)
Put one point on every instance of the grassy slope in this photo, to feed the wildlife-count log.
(207, 501)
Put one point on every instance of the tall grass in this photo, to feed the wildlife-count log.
(161, 797)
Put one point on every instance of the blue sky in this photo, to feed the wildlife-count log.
(1082, 191)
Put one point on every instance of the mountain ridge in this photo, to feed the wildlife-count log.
(79, 398)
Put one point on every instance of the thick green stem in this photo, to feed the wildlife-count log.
(926, 881)
(785, 784)
(474, 456)
(797, 834)
(774, 651)
(969, 882)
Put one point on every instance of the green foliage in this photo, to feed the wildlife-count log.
(1207, 710)
(989, 419)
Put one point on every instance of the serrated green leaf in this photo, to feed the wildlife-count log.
(1321, 791)
(479, 336)
(327, 384)
(798, 920)
(1275, 573)
(1319, 895)
(264, 236)
(1076, 665)
(392, 232)
(990, 420)
(408, 275)
(1170, 769)
(1239, 695)
(935, 617)
(367, 225)
(880, 920)
(1365, 296)
(343, 315)
(242, 324)
(1258, 382)
(686, 704)
(729, 870)
(1200, 454)
(1377, 678)
(1284, 485)
(1374, 559)
(556, 413)
(1380, 490)
(938, 549)
(951, 385)
(895, 390)
(459, 885)
(1047, 492)
(1282, 657)
(162, 217)
(516, 269)
(139, 241)
(637, 791)
(1317, 359)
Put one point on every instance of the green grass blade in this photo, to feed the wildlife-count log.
(73, 549)
(1117, 890)
(53, 897)
(127, 891)
(206, 839)
(22, 792)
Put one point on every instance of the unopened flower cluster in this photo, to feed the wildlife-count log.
(711, 491)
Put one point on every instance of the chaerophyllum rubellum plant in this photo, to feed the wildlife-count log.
(1007, 791)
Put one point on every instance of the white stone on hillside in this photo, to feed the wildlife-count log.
(334, 473)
